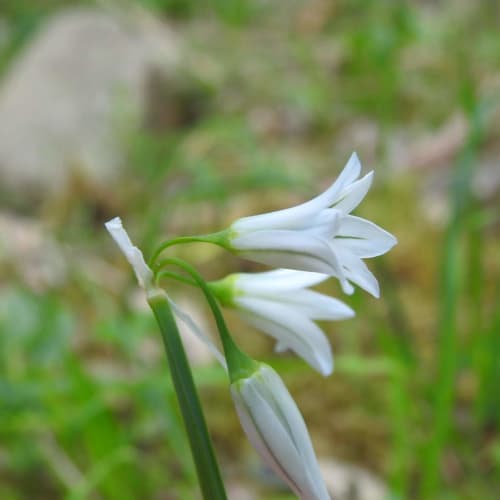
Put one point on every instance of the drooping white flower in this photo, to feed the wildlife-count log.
(276, 429)
(319, 235)
(279, 303)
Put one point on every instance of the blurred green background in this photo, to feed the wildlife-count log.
(261, 107)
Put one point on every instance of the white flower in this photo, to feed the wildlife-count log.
(319, 235)
(276, 429)
(279, 303)
(132, 253)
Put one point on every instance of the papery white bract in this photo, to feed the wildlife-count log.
(279, 303)
(319, 235)
(145, 278)
(132, 253)
(276, 429)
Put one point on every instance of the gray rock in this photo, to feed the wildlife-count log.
(29, 253)
(66, 98)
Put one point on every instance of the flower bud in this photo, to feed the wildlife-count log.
(276, 429)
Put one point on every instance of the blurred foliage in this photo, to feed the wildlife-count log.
(87, 409)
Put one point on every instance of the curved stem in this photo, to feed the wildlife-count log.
(178, 277)
(207, 468)
(238, 363)
(220, 238)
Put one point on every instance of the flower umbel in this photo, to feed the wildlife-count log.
(276, 429)
(279, 303)
(319, 235)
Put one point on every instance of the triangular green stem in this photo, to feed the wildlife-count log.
(207, 468)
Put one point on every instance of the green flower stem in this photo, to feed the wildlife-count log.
(207, 468)
(238, 363)
(175, 276)
(220, 238)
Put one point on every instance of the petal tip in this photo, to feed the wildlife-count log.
(326, 367)
(353, 163)
(354, 157)
(349, 313)
(347, 288)
(113, 223)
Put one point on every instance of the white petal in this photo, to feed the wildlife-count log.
(289, 249)
(118, 233)
(348, 175)
(325, 224)
(288, 218)
(356, 271)
(298, 429)
(364, 238)
(353, 195)
(253, 434)
(133, 254)
(280, 347)
(277, 280)
(269, 436)
(297, 217)
(347, 288)
(291, 328)
(314, 305)
(289, 260)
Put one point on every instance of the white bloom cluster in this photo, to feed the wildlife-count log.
(309, 243)
(313, 241)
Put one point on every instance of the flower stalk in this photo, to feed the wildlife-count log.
(211, 484)
(221, 238)
(238, 363)
(207, 468)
